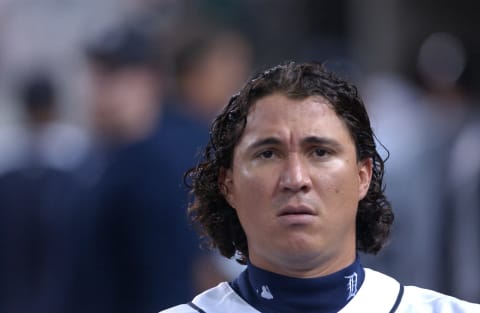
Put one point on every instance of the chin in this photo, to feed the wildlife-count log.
(301, 246)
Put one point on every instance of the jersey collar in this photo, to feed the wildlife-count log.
(270, 292)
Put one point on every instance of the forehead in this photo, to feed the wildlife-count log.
(278, 106)
(279, 115)
(279, 103)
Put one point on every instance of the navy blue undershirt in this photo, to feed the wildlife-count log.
(273, 293)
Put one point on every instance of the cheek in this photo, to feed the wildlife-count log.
(339, 189)
(249, 187)
(251, 192)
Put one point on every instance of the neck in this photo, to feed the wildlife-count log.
(306, 267)
(271, 292)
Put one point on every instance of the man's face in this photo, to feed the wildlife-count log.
(125, 103)
(295, 184)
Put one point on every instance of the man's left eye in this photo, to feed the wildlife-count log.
(267, 154)
(320, 152)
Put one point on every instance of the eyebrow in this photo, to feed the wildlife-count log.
(269, 141)
(306, 141)
(321, 141)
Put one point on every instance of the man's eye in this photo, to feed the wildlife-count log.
(319, 152)
(267, 154)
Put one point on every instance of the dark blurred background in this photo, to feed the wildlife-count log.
(105, 103)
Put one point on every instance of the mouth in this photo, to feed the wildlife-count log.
(297, 216)
(296, 210)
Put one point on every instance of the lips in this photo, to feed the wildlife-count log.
(296, 210)
(297, 216)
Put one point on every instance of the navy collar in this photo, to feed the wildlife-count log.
(269, 292)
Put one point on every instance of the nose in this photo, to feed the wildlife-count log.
(295, 176)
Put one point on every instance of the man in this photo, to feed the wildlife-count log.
(291, 185)
(39, 191)
(134, 207)
(464, 222)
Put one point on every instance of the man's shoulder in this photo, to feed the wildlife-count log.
(182, 308)
(411, 298)
(382, 293)
(418, 299)
(219, 299)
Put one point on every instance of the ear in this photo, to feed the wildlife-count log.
(225, 184)
(365, 170)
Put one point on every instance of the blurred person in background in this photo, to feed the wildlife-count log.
(136, 252)
(209, 66)
(41, 137)
(434, 108)
(463, 223)
(38, 195)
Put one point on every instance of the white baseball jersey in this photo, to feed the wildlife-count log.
(379, 293)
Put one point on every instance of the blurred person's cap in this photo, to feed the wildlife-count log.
(122, 47)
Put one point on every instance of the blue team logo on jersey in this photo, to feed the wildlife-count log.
(351, 285)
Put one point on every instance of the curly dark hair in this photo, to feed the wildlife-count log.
(219, 222)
